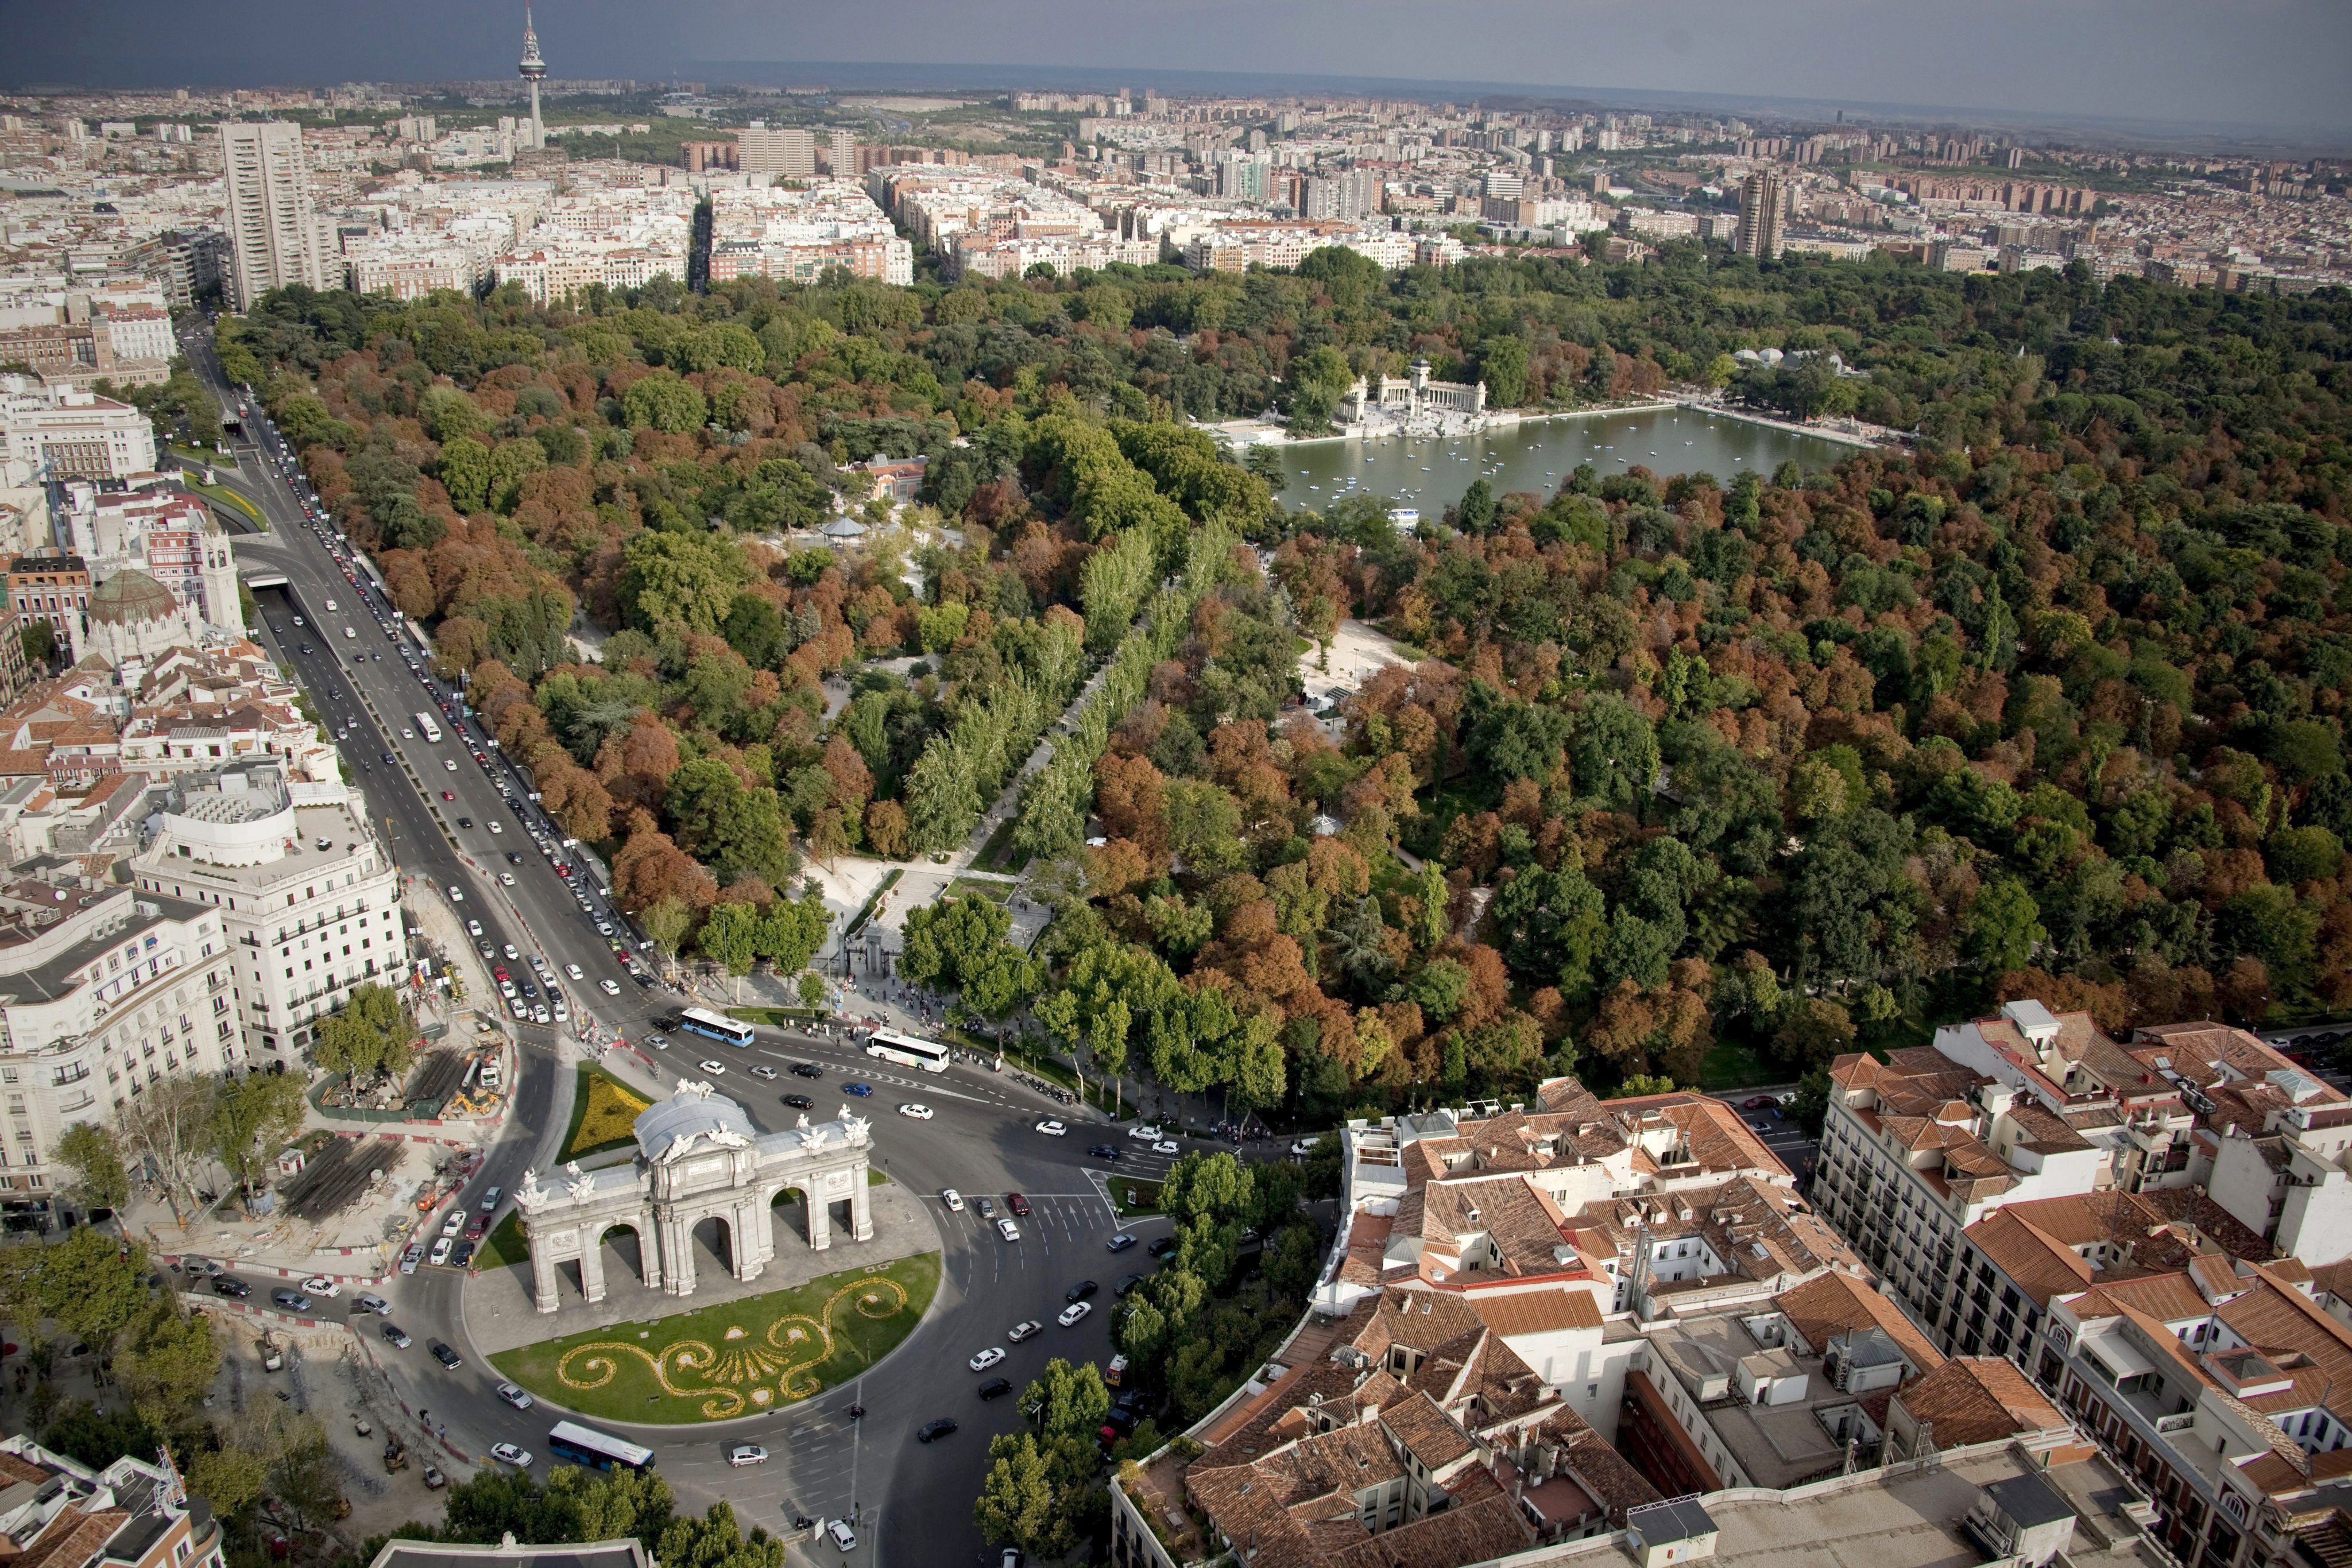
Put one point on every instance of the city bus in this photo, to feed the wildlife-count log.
(907, 1051)
(598, 1451)
(427, 726)
(702, 1021)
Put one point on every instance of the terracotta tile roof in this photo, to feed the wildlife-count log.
(1510, 1313)
(1421, 1428)
(1979, 1399)
(1824, 1306)
(71, 1539)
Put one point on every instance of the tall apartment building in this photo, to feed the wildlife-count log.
(841, 153)
(2213, 1128)
(1762, 204)
(103, 991)
(310, 899)
(773, 153)
(272, 224)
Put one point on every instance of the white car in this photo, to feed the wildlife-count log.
(506, 879)
(320, 1285)
(747, 1454)
(495, 827)
(575, 972)
(716, 1069)
(473, 928)
(1144, 1134)
(1028, 1328)
(952, 1198)
(456, 894)
(1305, 1146)
(507, 1454)
(987, 1358)
(451, 764)
(1010, 1231)
(454, 1223)
(515, 1397)
(1073, 1313)
(917, 1112)
(844, 1538)
(563, 1012)
(1166, 1146)
(610, 987)
(1053, 1129)
(442, 1249)
(510, 952)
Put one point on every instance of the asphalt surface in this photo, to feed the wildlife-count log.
(912, 1502)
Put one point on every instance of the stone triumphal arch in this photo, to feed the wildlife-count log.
(698, 1158)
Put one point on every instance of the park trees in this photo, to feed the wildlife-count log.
(370, 1036)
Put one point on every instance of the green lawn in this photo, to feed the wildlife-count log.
(1734, 1066)
(1134, 1196)
(227, 498)
(504, 1245)
(735, 1358)
(776, 1017)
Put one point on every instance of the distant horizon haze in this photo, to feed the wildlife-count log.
(2254, 67)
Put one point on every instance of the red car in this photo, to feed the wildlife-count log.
(1017, 1204)
(449, 794)
(1759, 1102)
(501, 974)
(480, 1228)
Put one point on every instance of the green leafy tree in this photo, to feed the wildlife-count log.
(663, 401)
(2002, 927)
(370, 1035)
(253, 1117)
(94, 1154)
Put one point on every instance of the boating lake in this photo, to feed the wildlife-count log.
(1537, 455)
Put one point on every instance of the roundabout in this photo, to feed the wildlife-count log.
(747, 1356)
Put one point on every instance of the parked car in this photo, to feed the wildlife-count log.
(842, 1537)
(1126, 1282)
(952, 1198)
(1121, 1242)
(1017, 1204)
(932, 1431)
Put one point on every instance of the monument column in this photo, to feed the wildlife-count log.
(820, 1213)
(678, 1254)
(542, 1278)
(750, 1245)
(649, 1261)
(592, 1260)
(861, 1204)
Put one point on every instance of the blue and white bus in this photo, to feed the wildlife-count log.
(907, 1051)
(702, 1021)
(597, 1450)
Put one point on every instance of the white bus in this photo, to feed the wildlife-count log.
(702, 1021)
(907, 1051)
(427, 726)
(597, 1450)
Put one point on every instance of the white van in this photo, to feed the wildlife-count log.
(330, 604)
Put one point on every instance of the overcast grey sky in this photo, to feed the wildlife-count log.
(2257, 62)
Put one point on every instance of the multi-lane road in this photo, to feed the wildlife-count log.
(913, 1503)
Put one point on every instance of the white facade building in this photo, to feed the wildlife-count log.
(58, 433)
(103, 991)
(310, 896)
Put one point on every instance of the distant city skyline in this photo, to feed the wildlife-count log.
(2264, 64)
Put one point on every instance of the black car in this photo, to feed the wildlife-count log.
(1163, 1248)
(225, 1286)
(464, 821)
(445, 1356)
(807, 1070)
(933, 1430)
(513, 859)
(800, 1101)
(1080, 1291)
(1105, 1151)
(996, 1388)
(398, 1340)
(462, 1256)
(1126, 1282)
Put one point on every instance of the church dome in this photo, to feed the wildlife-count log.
(130, 596)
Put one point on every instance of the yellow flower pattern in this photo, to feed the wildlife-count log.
(742, 1373)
